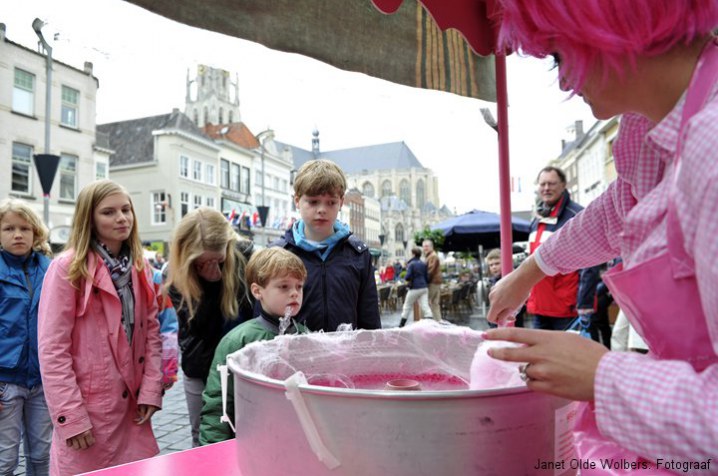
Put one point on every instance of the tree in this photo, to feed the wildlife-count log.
(437, 236)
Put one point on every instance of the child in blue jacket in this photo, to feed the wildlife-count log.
(24, 258)
(340, 286)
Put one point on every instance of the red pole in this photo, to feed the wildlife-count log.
(504, 173)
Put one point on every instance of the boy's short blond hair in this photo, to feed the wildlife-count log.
(493, 254)
(270, 263)
(317, 177)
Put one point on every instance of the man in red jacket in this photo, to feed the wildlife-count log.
(556, 300)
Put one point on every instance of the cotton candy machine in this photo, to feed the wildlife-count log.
(388, 402)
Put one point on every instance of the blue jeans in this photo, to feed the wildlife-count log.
(24, 409)
(552, 323)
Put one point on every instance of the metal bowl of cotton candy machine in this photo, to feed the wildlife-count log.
(316, 404)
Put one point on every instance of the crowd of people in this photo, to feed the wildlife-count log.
(93, 337)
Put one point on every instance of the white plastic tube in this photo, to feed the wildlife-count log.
(223, 375)
(294, 395)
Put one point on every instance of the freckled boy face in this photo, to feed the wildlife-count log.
(319, 212)
(280, 293)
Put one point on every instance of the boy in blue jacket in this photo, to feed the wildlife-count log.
(24, 258)
(340, 286)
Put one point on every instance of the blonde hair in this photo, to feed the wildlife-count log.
(82, 230)
(270, 263)
(317, 177)
(40, 234)
(493, 254)
(206, 229)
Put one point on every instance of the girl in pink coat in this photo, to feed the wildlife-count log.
(100, 347)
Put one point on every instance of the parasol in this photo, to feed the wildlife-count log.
(478, 228)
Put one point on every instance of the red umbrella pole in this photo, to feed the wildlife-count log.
(504, 173)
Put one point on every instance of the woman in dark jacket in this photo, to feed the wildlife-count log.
(418, 280)
(207, 287)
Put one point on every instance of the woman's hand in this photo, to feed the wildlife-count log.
(144, 413)
(82, 441)
(510, 293)
(560, 363)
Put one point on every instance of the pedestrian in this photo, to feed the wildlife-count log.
(655, 63)
(340, 286)
(434, 269)
(417, 278)
(206, 284)
(276, 278)
(556, 301)
(24, 259)
(100, 347)
(493, 262)
(167, 315)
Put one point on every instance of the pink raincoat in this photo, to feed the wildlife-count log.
(91, 376)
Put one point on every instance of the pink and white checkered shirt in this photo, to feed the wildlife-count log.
(659, 409)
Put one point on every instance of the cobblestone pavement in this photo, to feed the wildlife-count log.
(171, 424)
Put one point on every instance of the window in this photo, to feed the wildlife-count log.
(21, 167)
(197, 170)
(284, 185)
(234, 178)
(184, 166)
(368, 190)
(275, 183)
(224, 173)
(197, 201)
(258, 178)
(420, 194)
(68, 176)
(70, 101)
(23, 93)
(210, 202)
(221, 116)
(230, 117)
(209, 173)
(159, 212)
(399, 233)
(405, 192)
(100, 171)
(244, 180)
(386, 188)
(184, 203)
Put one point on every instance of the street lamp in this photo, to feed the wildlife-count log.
(489, 118)
(46, 164)
(262, 138)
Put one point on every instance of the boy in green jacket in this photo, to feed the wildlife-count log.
(276, 278)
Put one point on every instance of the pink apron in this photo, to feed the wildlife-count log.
(654, 294)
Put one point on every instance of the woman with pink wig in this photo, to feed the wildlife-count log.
(654, 63)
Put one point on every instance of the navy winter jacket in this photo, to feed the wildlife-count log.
(339, 290)
(20, 286)
(417, 274)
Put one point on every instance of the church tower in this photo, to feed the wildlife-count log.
(212, 98)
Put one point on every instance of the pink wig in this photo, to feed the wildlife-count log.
(604, 33)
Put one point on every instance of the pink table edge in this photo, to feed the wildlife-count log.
(219, 459)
